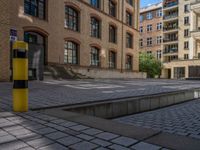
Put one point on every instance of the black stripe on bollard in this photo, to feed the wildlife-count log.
(20, 84)
(20, 54)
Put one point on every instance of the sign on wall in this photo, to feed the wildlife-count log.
(13, 35)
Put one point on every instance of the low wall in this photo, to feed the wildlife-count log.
(123, 107)
(106, 73)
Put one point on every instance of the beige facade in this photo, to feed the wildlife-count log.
(56, 33)
(178, 40)
(151, 30)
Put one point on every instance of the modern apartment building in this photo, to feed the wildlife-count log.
(176, 37)
(100, 35)
(151, 30)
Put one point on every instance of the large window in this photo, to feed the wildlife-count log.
(129, 60)
(112, 60)
(149, 15)
(159, 13)
(141, 42)
(129, 40)
(35, 8)
(159, 26)
(112, 34)
(95, 61)
(159, 39)
(71, 18)
(95, 27)
(129, 18)
(149, 41)
(130, 2)
(186, 21)
(71, 53)
(95, 3)
(112, 8)
(149, 27)
(159, 54)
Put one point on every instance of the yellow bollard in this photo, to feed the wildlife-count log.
(20, 76)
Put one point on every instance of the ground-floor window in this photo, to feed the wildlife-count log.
(179, 72)
(129, 64)
(95, 61)
(112, 59)
(71, 53)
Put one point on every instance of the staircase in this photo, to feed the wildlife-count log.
(59, 72)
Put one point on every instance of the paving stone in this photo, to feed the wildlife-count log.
(101, 142)
(54, 147)
(28, 137)
(27, 148)
(84, 146)
(58, 121)
(13, 128)
(56, 135)
(71, 132)
(101, 148)
(68, 124)
(92, 131)
(7, 138)
(46, 130)
(13, 145)
(2, 133)
(69, 140)
(118, 147)
(124, 141)
(19, 132)
(85, 137)
(79, 127)
(106, 136)
(41, 142)
(145, 146)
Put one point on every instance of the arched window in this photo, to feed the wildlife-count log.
(95, 27)
(112, 60)
(129, 64)
(95, 60)
(71, 53)
(71, 18)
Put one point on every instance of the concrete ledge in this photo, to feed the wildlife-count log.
(121, 107)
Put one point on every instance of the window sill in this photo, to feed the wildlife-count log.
(71, 30)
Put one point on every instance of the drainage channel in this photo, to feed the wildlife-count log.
(128, 106)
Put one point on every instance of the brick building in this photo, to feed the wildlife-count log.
(151, 30)
(100, 35)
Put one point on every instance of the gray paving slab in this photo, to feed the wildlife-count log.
(124, 141)
(106, 136)
(100, 142)
(145, 146)
(67, 141)
(84, 146)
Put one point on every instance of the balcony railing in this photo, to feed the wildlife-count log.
(170, 4)
(168, 28)
(170, 40)
(193, 2)
(170, 16)
(168, 51)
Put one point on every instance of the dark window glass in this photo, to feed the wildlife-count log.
(71, 53)
(95, 27)
(95, 61)
(129, 40)
(130, 2)
(129, 61)
(112, 8)
(112, 59)
(112, 34)
(35, 8)
(95, 3)
(129, 18)
(72, 18)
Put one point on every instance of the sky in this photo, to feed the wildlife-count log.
(144, 3)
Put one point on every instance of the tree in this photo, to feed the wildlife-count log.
(149, 64)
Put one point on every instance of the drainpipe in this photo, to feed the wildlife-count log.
(122, 45)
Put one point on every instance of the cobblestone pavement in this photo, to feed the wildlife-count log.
(56, 93)
(34, 130)
(182, 119)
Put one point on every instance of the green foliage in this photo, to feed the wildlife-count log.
(150, 65)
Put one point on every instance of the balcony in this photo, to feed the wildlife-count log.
(170, 4)
(167, 29)
(170, 40)
(196, 33)
(170, 17)
(168, 52)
